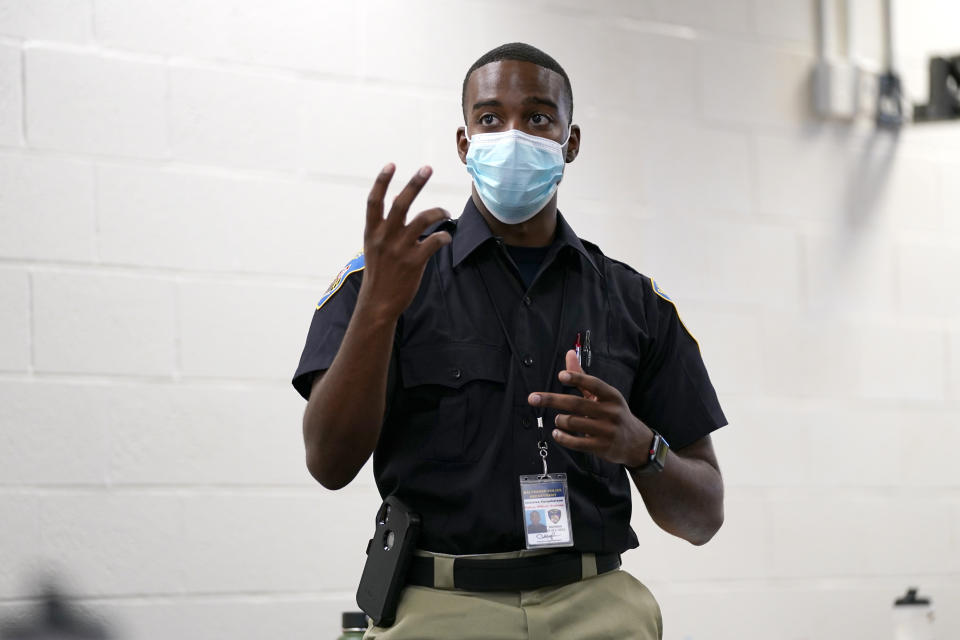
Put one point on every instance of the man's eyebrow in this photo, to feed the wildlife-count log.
(527, 100)
(487, 103)
(539, 100)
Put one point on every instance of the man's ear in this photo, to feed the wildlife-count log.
(573, 144)
(462, 144)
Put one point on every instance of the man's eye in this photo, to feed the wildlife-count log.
(539, 118)
(488, 119)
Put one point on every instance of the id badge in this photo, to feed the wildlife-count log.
(546, 511)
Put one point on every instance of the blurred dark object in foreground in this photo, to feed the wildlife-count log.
(890, 101)
(944, 103)
(54, 619)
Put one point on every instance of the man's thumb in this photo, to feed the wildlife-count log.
(572, 363)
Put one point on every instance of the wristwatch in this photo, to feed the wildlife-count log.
(656, 457)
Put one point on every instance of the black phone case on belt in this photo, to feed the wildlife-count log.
(388, 556)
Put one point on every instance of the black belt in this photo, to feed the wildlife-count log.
(511, 574)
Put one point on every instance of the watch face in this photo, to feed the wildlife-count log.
(656, 457)
(660, 447)
(661, 456)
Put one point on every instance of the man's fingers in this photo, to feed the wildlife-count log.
(398, 212)
(571, 441)
(589, 384)
(572, 363)
(579, 424)
(568, 403)
(424, 219)
(432, 243)
(375, 198)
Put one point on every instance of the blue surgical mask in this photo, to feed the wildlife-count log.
(515, 173)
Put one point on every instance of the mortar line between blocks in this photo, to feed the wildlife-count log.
(23, 95)
(31, 324)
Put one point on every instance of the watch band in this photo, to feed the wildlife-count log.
(656, 456)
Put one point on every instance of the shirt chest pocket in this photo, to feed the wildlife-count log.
(614, 372)
(451, 393)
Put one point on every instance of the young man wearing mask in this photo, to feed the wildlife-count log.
(473, 357)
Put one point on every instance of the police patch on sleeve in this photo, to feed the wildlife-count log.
(663, 294)
(660, 292)
(356, 264)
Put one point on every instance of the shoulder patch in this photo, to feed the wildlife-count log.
(356, 264)
(660, 292)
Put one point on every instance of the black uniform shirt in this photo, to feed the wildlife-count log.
(458, 431)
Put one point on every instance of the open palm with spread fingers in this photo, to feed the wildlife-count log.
(395, 256)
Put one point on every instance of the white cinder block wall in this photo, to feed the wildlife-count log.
(180, 180)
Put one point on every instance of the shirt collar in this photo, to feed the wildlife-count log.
(472, 231)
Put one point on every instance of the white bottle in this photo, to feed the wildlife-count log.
(912, 617)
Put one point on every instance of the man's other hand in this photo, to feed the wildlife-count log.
(600, 422)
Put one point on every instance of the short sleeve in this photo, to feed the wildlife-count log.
(673, 393)
(329, 324)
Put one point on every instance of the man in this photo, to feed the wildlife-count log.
(498, 364)
(536, 525)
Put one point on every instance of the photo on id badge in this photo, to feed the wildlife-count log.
(546, 510)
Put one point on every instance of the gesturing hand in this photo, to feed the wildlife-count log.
(394, 255)
(600, 422)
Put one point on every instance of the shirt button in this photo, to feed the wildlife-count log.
(456, 374)
(525, 422)
(526, 300)
(528, 361)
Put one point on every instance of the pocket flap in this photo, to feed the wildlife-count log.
(615, 373)
(452, 364)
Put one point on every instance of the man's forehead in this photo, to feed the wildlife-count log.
(513, 76)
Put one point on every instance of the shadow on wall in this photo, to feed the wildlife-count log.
(871, 170)
(868, 171)
(52, 616)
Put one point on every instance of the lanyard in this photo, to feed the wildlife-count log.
(541, 442)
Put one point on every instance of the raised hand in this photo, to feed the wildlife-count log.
(395, 257)
(600, 422)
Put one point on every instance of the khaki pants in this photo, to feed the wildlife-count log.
(614, 606)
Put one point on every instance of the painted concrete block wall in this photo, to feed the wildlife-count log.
(180, 180)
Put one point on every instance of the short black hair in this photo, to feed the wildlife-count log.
(524, 53)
